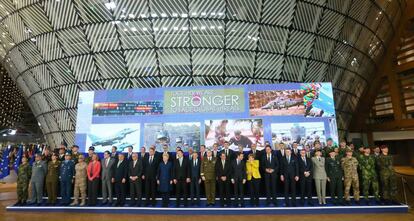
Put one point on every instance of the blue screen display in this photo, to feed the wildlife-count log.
(190, 116)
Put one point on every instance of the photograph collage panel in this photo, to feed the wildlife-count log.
(239, 133)
(122, 135)
(174, 135)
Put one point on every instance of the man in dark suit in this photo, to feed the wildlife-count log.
(226, 150)
(223, 174)
(129, 153)
(289, 175)
(195, 179)
(181, 176)
(256, 153)
(135, 170)
(150, 173)
(305, 177)
(142, 155)
(238, 179)
(270, 164)
(120, 175)
(295, 150)
(114, 153)
(280, 153)
(203, 152)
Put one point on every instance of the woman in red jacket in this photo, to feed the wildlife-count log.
(94, 171)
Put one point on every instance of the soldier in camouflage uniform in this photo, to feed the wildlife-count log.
(23, 179)
(350, 166)
(52, 178)
(335, 177)
(387, 175)
(75, 153)
(80, 181)
(367, 166)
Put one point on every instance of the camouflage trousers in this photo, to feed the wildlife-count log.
(80, 189)
(370, 182)
(389, 186)
(22, 191)
(354, 182)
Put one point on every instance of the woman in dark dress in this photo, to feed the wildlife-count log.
(164, 179)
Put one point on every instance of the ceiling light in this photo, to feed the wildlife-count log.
(110, 5)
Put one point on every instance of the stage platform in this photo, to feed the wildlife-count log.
(217, 210)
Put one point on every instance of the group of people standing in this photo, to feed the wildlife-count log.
(152, 174)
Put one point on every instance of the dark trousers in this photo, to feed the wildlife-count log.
(150, 188)
(336, 189)
(195, 190)
(66, 190)
(224, 191)
(93, 191)
(51, 187)
(181, 191)
(120, 190)
(290, 186)
(165, 199)
(306, 188)
(270, 184)
(238, 192)
(135, 188)
(254, 186)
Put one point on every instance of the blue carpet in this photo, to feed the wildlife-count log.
(217, 210)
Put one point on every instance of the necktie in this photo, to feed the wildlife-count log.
(195, 163)
(268, 158)
(227, 152)
(237, 162)
(289, 159)
(135, 162)
(107, 161)
(223, 162)
(319, 158)
(119, 163)
(304, 160)
(151, 160)
(181, 161)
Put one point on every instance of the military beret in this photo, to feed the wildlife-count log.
(92, 148)
(348, 150)
(329, 139)
(75, 146)
(366, 147)
(330, 150)
(68, 154)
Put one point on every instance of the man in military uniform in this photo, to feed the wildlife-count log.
(387, 175)
(342, 149)
(91, 151)
(75, 153)
(39, 171)
(46, 155)
(23, 179)
(61, 155)
(350, 166)
(67, 173)
(80, 181)
(52, 179)
(208, 175)
(367, 164)
(335, 176)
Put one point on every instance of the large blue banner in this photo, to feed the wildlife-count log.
(190, 116)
